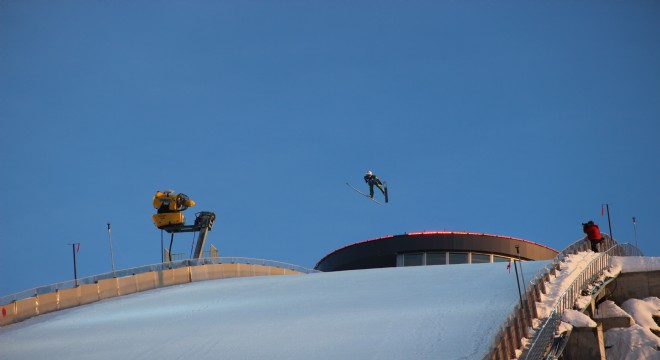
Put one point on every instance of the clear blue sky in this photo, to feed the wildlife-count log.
(517, 118)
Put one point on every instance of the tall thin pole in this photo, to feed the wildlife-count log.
(635, 228)
(521, 271)
(609, 223)
(170, 251)
(162, 248)
(75, 270)
(112, 256)
(518, 281)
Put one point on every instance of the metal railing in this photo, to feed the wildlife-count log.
(510, 334)
(147, 268)
(544, 336)
(509, 337)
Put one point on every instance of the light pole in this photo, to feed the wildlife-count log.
(518, 281)
(635, 229)
(521, 271)
(112, 256)
(609, 223)
(162, 247)
(75, 269)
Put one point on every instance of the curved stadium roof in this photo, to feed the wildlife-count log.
(382, 252)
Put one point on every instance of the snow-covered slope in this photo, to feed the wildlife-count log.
(430, 312)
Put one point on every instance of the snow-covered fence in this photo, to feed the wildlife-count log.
(510, 335)
(545, 335)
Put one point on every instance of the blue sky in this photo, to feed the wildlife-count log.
(514, 118)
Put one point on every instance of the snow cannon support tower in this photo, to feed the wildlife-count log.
(169, 217)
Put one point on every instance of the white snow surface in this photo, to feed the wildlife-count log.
(577, 319)
(425, 312)
(633, 343)
(609, 309)
(569, 270)
(637, 342)
(642, 311)
(630, 264)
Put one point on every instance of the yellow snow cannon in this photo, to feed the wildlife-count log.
(169, 207)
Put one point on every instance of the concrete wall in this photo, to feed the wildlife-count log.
(108, 288)
(126, 285)
(103, 289)
(636, 285)
(175, 276)
(69, 298)
(8, 314)
(586, 344)
(26, 309)
(48, 302)
(89, 293)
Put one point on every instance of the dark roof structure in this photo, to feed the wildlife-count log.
(389, 251)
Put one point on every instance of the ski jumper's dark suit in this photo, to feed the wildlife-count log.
(373, 180)
(593, 234)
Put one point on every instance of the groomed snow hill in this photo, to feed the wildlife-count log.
(425, 312)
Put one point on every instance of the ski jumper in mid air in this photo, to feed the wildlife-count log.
(372, 180)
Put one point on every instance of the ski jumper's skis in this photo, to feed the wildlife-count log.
(363, 194)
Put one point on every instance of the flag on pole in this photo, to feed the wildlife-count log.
(508, 266)
(77, 250)
(602, 210)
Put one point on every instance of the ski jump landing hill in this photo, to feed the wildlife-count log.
(423, 312)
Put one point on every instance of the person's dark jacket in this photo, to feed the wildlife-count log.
(373, 179)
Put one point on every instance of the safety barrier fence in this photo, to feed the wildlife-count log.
(510, 335)
(146, 268)
(594, 270)
(25, 304)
